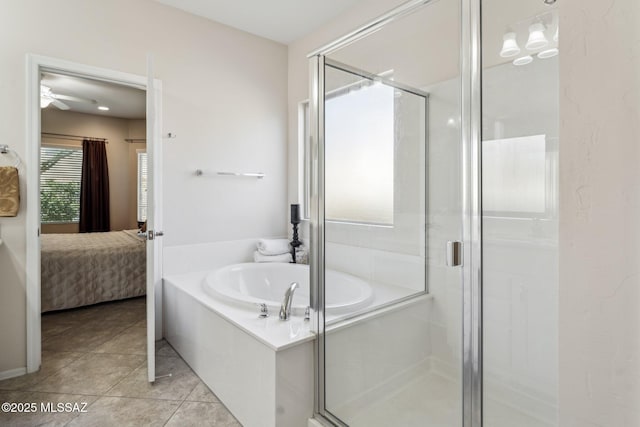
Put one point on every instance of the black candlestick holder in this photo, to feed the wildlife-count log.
(295, 243)
(295, 220)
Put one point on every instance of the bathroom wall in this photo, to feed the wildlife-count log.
(224, 95)
(599, 211)
(121, 176)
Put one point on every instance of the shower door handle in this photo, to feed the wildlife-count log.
(454, 254)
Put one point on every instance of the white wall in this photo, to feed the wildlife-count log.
(121, 176)
(599, 213)
(224, 95)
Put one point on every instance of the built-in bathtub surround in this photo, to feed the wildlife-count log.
(261, 367)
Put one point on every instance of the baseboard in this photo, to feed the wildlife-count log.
(11, 373)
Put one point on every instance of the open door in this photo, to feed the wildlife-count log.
(154, 219)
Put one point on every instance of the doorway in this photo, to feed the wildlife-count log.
(93, 177)
(45, 208)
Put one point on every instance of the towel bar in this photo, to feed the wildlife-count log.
(259, 175)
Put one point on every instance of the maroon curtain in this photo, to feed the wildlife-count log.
(94, 188)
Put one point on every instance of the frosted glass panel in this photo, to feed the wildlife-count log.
(359, 138)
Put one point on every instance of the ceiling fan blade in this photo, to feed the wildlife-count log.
(74, 98)
(60, 105)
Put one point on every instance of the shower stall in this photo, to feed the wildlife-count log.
(445, 202)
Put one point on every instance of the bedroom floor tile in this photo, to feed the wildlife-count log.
(85, 338)
(92, 374)
(126, 314)
(130, 341)
(53, 327)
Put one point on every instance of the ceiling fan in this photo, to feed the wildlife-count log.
(48, 97)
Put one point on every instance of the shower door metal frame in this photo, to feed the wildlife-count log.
(470, 61)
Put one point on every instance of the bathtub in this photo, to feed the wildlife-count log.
(262, 368)
(251, 284)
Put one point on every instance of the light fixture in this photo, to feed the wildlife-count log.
(549, 53)
(537, 39)
(103, 108)
(523, 60)
(509, 45)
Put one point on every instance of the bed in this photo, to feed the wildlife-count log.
(88, 268)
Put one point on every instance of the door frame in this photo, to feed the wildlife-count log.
(471, 163)
(35, 65)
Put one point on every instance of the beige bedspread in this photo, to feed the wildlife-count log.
(88, 268)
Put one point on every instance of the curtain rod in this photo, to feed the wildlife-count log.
(72, 137)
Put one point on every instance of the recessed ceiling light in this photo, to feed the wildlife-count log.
(103, 108)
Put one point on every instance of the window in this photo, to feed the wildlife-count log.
(142, 186)
(514, 177)
(359, 153)
(60, 175)
(359, 146)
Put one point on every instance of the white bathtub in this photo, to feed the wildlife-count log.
(265, 283)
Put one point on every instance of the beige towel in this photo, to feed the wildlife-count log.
(9, 191)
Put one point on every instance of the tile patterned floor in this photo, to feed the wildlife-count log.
(97, 355)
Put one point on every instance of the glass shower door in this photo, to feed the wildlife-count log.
(388, 177)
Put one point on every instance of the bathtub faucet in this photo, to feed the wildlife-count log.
(285, 308)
